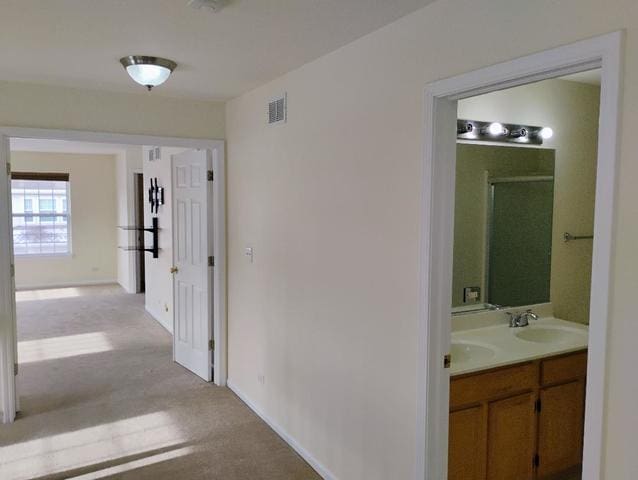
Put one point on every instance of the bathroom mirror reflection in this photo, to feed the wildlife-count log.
(504, 208)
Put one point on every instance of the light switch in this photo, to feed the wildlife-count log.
(249, 253)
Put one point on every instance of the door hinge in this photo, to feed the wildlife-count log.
(211, 176)
(447, 361)
(12, 270)
(537, 406)
(8, 169)
(211, 261)
(536, 461)
(211, 345)
(15, 369)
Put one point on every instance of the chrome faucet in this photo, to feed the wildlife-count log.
(521, 319)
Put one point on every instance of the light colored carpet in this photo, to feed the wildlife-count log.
(102, 398)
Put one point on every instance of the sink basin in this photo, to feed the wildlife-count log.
(463, 352)
(550, 334)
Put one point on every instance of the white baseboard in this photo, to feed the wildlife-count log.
(314, 463)
(85, 283)
(157, 318)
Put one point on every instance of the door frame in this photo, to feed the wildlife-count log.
(437, 236)
(8, 330)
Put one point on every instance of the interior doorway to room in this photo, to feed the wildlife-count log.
(140, 257)
(443, 102)
(134, 249)
(522, 259)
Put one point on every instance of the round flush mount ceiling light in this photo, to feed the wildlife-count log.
(148, 71)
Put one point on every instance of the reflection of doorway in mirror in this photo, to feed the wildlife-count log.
(519, 240)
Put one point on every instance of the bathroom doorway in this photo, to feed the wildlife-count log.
(524, 177)
(435, 397)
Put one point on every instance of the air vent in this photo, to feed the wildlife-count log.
(277, 110)
(154, 154)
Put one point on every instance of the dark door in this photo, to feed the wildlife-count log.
(139, 239)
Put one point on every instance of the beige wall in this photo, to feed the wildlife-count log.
(476, 163)
(28, 105)
(571, 110)
(330, 202)
(93, 221)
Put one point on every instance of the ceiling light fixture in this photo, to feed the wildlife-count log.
(148, 71)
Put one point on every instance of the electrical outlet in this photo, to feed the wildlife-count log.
(471, 294)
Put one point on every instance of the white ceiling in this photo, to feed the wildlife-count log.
(591, 77)
(220, 55)
(63, 146)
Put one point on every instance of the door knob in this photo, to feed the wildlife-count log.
(174, 269)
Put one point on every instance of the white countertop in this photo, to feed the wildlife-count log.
(498, 345)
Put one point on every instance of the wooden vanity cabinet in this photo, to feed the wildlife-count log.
(522, 422)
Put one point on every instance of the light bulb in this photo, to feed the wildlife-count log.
(496, 129)
(546, 133)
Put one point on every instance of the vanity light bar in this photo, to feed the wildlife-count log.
(502, 132)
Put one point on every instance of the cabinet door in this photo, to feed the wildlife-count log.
(511, 438)
(466, 453)
(560, 441)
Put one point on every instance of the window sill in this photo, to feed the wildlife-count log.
(43, 255)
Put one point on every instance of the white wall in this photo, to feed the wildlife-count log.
(159, 280)
(93, 221)
(127, 164)
(330, 202)
(39, 106)
(571, 110)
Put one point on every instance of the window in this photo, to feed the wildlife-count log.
(41, 220)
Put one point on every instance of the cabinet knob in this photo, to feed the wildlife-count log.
(174, 269)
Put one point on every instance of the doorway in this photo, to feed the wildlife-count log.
(140, 257)
(437, 236)
(9, 361)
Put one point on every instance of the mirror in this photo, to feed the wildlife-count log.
(504, 202)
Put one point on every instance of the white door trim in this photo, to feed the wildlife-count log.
(7, 295)
(437, 234)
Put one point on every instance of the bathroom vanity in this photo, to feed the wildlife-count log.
(517, 399)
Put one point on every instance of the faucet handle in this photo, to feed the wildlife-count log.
(531, 314)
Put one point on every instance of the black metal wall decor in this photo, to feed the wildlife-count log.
(155, 196)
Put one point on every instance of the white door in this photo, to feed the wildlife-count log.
(192, 247)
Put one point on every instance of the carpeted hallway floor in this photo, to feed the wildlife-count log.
(102, 398)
